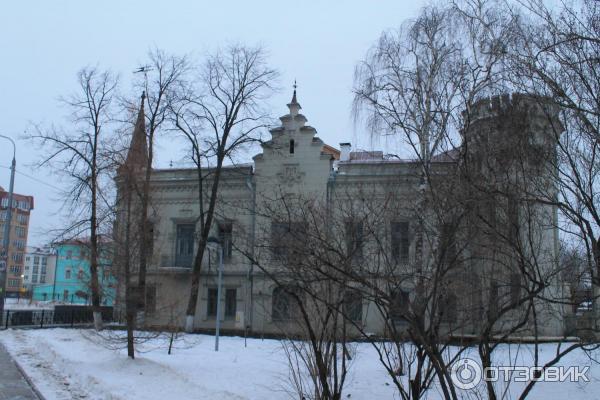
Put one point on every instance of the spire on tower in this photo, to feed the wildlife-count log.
(294, 106)
(137, 155)
(294, 96)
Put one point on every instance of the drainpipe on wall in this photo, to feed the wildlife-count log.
(55, 273)
(250, 303)
(329, 199)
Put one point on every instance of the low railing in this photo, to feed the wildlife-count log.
(60, 316)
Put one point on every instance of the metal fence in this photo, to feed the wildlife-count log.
(60, 316)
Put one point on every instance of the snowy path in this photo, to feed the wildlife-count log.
(12, 383)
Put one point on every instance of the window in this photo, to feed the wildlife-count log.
(36, 260)
(292, 146)
(447, 248)
(226, 238)
(353, 305)
(5, 202)
(69, 254)
(279, 233)
(284, 303)
(447, 307)
(211, 303)
(65, 295)
(493, 301)
(400, 242)
(43, 279)
(230, 303)
(15, 269)
(20, 231)
(27, 258)
(35, 269)
(184, 251)
(17, 257)
(34, 278)
(150, 298)
(515, 289)
(67, 274)
(149, 238)
(80, 275)
(13, 283)
(354, 240)
(400, 305)
(287, 240)
(512, 219)
(22, 219)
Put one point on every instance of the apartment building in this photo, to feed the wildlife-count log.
(19, 229)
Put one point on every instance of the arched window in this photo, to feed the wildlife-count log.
(400, 305)
(284, 303)
(353, 304)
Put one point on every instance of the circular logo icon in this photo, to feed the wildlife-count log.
(466, 373)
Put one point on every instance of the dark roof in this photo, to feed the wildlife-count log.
(447, 156)
(137, 155)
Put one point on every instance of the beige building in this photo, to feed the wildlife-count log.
(369, 206)
(19, 228)
(39, 267)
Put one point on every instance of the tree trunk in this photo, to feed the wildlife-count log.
(94, 244)
(129, 302)
(193, 302)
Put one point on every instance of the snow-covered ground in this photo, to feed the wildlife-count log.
(26, 304)
(71, 364)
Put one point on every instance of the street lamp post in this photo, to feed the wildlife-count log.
(6, 242)
(219, 288)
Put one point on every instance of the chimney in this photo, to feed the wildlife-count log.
(345, 149)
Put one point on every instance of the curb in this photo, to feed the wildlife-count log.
(30, 382)
(25, 376)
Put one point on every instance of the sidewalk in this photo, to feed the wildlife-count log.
(13, 385)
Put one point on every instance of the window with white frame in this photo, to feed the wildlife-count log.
(184, 245)
(400, 241)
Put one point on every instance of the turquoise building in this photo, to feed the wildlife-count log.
(72, 277)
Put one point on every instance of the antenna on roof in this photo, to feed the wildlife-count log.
(143, 68)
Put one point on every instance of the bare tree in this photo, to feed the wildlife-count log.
(162, 77)
(425, 85)
(133, 218)
(556, 58)
(222, 112)
(415, 85)
(308, 304)
(79, 153)
(126, 237)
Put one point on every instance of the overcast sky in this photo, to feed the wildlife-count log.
(43, 44)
